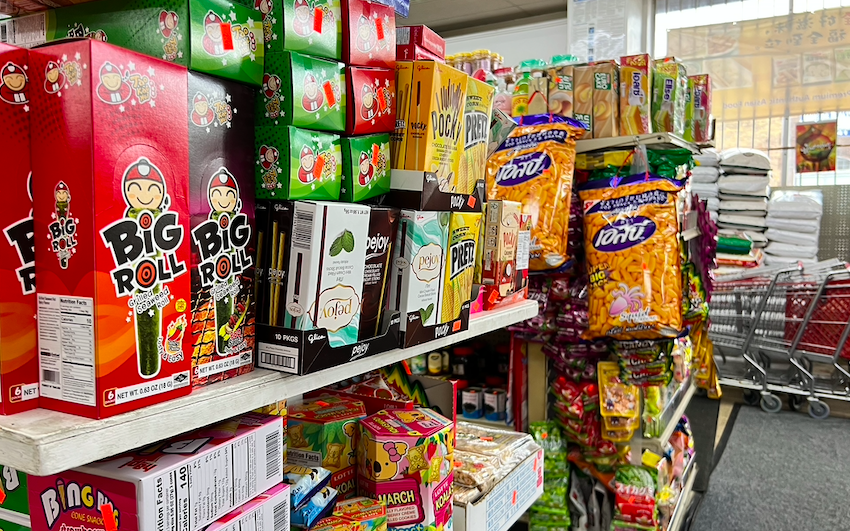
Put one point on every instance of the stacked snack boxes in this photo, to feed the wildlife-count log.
(419, 42)
(670, 84)
(635, 94)
(369, 34)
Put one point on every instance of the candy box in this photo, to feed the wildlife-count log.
(365, 514)
(398, 138)
(186, 482)
(583, 96)
(368, 34)
(315, 509)
(304, 26)
(635, 94)
(18, 349)
(383, 225)
(323, 432)
(216, 37)
(460, 263)
(269, 510)
(405, 459)
(221, 205)
(302, 91)
(112, 236)
(670, 83)
(476, 131)
(305, 482)
(606, 91)
(293, 163)
(421, 36)
(372, 106)
(365, 167)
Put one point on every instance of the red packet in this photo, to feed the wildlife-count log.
(329, 93)
(318, 17)
(320, 165)
(379, 28)
(226, 36)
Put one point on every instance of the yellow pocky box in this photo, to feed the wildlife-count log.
(460, 263)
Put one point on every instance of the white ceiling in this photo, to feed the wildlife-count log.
(457, 17)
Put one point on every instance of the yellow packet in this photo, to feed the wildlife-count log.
(464, 228)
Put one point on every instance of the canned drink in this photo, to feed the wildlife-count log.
(435, 363)
(472, 402)
(418, 364)
(495, 404)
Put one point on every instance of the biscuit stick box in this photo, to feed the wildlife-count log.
(460, 264)
(112, 236)
(221, 202)
(18, 365)
(405, 459)
(323, 433)
(383, 224)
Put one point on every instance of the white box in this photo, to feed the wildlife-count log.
(267, 512)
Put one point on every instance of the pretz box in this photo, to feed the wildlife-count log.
(383, 226)
(221, 204)
(365, 167)
(294, 163)
(404, 84)
(606, 94)
(18, 352)
(269, 510)
(216, 37)
(325, 284)
(112, 237)
(476, 131)
(369, 34)
(304, 26)
(635, 94)
(460, 264)
(186, 482)
(371, 106)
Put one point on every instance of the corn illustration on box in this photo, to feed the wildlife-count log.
(476, 131)
(460, 263)
(635, 94)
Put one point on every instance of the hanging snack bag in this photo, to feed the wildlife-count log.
(534, 166)
(632, 248)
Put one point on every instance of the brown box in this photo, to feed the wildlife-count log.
(561, 91)
(583, 95)
(538, 95)
(606, 99)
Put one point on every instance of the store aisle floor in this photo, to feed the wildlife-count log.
(782, 472)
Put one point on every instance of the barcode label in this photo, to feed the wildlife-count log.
(302, 229)
(50, 376)
(28, 31)
(402, 36)
(284, 362)
(274, 455)
(281, 516)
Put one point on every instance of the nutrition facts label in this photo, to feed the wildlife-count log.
(66, 348)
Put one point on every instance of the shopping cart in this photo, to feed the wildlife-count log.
(784, 331)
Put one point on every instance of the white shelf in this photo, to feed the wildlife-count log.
(685, 497)
(43, 442)
(659, 140)
(656, 444)
(500, 424)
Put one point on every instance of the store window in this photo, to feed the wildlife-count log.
(774, 64)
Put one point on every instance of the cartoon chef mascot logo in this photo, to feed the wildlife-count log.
(367, 35)
(112, 89)
(54, 77)
(13, 84)
(271, 84)
(368, 103)
(367, 170)
(313, 98)
(63, 233)
(303, 23)
(63, 199)
(168, 23)
(268, 157)
(306, 173)
(212, 41)
(202, 113)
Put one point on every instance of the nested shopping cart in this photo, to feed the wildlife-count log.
(784, 331)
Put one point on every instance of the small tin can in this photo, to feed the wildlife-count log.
(472, 402)
(435, 363)
(418, 364)
(495, 404)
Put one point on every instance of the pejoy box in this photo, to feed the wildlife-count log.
(371, 105)
(112, 236)
(405, 459)
(307, 26)
(221, 204)
(368, 34)
(18, 365)
(292, 163)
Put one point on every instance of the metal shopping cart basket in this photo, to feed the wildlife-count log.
(784, 331)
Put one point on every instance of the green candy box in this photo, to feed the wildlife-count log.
(365, 167)
(293, 163)
(302, 91)
(296, 25)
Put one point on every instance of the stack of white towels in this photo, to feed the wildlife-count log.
(704, 181)
(793, 226)
(743, 190)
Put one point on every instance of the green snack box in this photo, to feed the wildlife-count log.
(689, 111)
(14, 484)
(293, 163)
(670, 84)
(216, 37)
(365, 168)
(302, 91)
(292, 25)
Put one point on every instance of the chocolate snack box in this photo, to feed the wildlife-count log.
(635, 94)
(369, 35)
(383, 225)
(371, 106)
(398, 139)
(302, 91)
(273, 257)
(221, 205)
(18, 352)
(187, 482)
(215, 37)
(413, 52)
(699, 88)
(313, 27)
(293, 163)
(669, 88)
(365, 167)
(112, 237)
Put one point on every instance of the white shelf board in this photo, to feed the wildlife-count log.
(500, 424)
(43, 442)
(660, 140)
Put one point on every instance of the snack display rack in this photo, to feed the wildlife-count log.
(672, 414)
(680, 513)
(657, 140)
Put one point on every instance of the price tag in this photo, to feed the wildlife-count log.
(320, 165)
(226, 36)
(2, 494)
(382, 101)
(376, 153)
(109, 522)
(379, 28)
(318, 17)
(329, 93)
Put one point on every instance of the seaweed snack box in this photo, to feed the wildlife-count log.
(635, 94)
(325, 277)
(476, 131)
(292, 163)
(606, 99)
(405, 459)
(383, 225)
(18, 349)
(369, 34)
(365, 167)
(215, 37)
(112, 236)
(269, 510)
(323, 433)
(460, 263)
(372, 107)
(15, 506)
(302, 91)
(670, 83)
(221, 204)
(186, 482)
(313, 27)
(398, 139)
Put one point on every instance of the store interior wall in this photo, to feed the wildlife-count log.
(539, 40)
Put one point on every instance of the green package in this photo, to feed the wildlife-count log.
(689, 112)
(188, 33)
(365, 167)
(14, 484)
(292, 25)
(669, 85)
(302, 91)
(293, 163)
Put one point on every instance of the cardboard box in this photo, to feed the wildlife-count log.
(670, 84)
(362, 514)
(302, 91)
(365, 167)
(318, 507)
(18, 349)
(501, 233)
(606, 104)
(421, 36)
(293, 25)
(538, 95)
(372, 106)
(293, 163)
(186, 482)
(273, 258)
(269, 510)
(561, 91)
(369, 34)
(279, 409)
(700, 127)
(383, 226)
(476, 130)
(323, 433)
(398, 139)
(413, 52)
(583, 95)
(16, 506)
(215, 37)
(221, 205)
(325, 284)
(405, 459)
(460, 264)
(635, 94)
(112, 236)
(435, 120)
